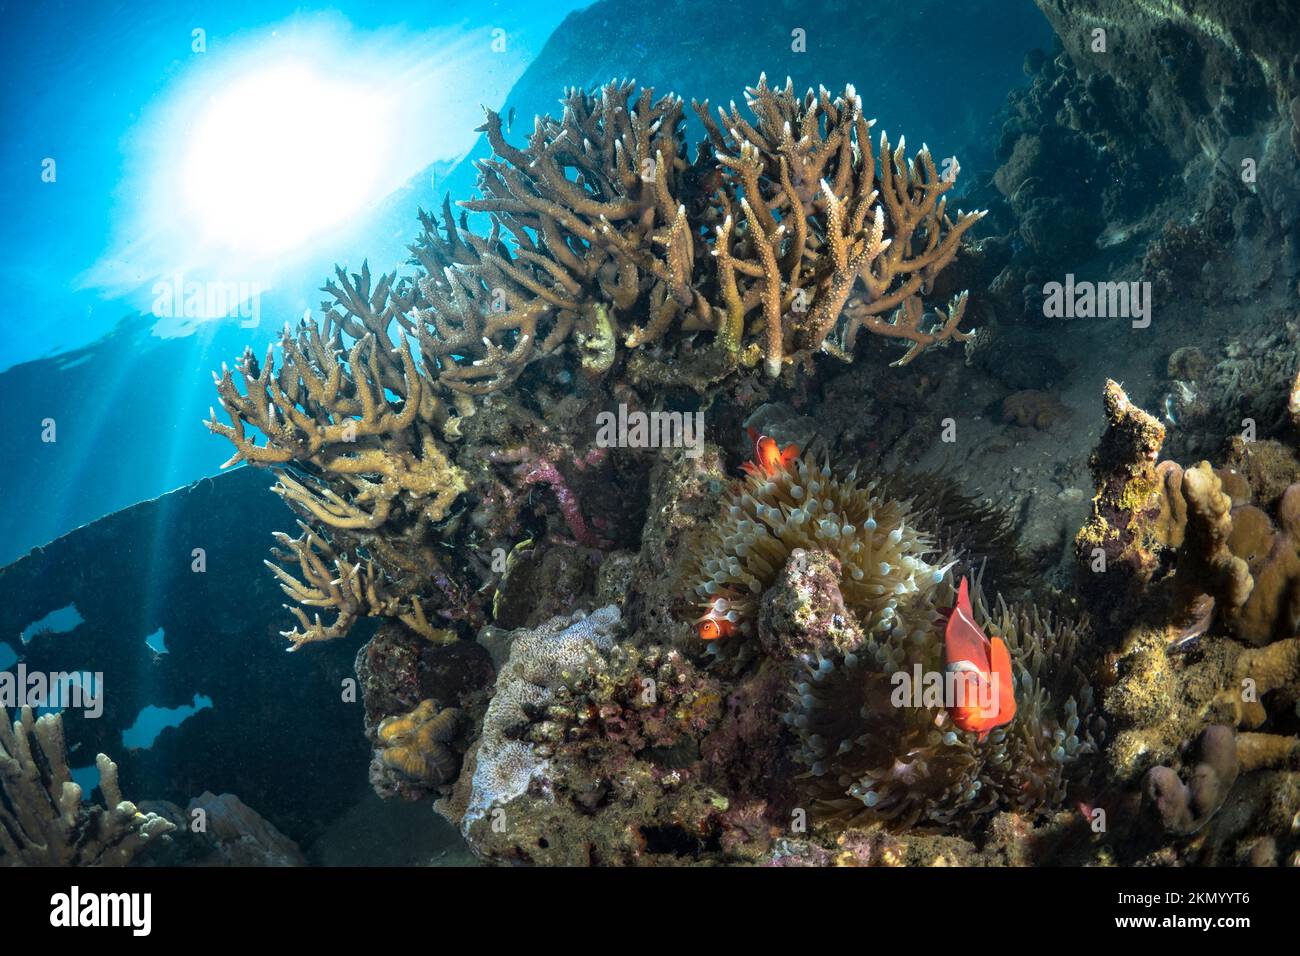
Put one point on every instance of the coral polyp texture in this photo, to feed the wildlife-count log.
(787, 646)
(1205, 646)
(780, 220)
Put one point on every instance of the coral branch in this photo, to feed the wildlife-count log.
(43, 821)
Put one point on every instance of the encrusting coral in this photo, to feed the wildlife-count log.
(588, 751)
(1122, 535)
(43, 820)
(539, 663)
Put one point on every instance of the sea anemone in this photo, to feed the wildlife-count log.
(842, 586)
(774, 511)
(868, 758)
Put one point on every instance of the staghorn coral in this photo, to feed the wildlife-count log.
(620, 239)
(351, 588)
(605, 237)
(43, 821)
(367, 469)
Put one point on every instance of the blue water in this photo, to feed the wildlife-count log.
(104, 383)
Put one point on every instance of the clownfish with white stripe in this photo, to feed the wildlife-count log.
(968, 651)
(769, 457)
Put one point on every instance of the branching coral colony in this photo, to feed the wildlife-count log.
(43, 819)
(781, 239)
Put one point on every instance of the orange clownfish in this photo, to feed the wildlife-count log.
(720, 620)
(769, 457)
(710, 628)
(989, 699)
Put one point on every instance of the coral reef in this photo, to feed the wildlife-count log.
(589, 752)
(736, 695)
(1213, 391)
(43, 820)
(1206, 649)
(834, 582)
(782, 238)
(421, 701)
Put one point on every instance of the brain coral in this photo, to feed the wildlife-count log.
(839, 584)
(413, 748)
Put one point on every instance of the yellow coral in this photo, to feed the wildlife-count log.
(43, 819)
(415, 744)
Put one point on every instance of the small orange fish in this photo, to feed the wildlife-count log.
(710, 628)
(968, 651)
(769, 457)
